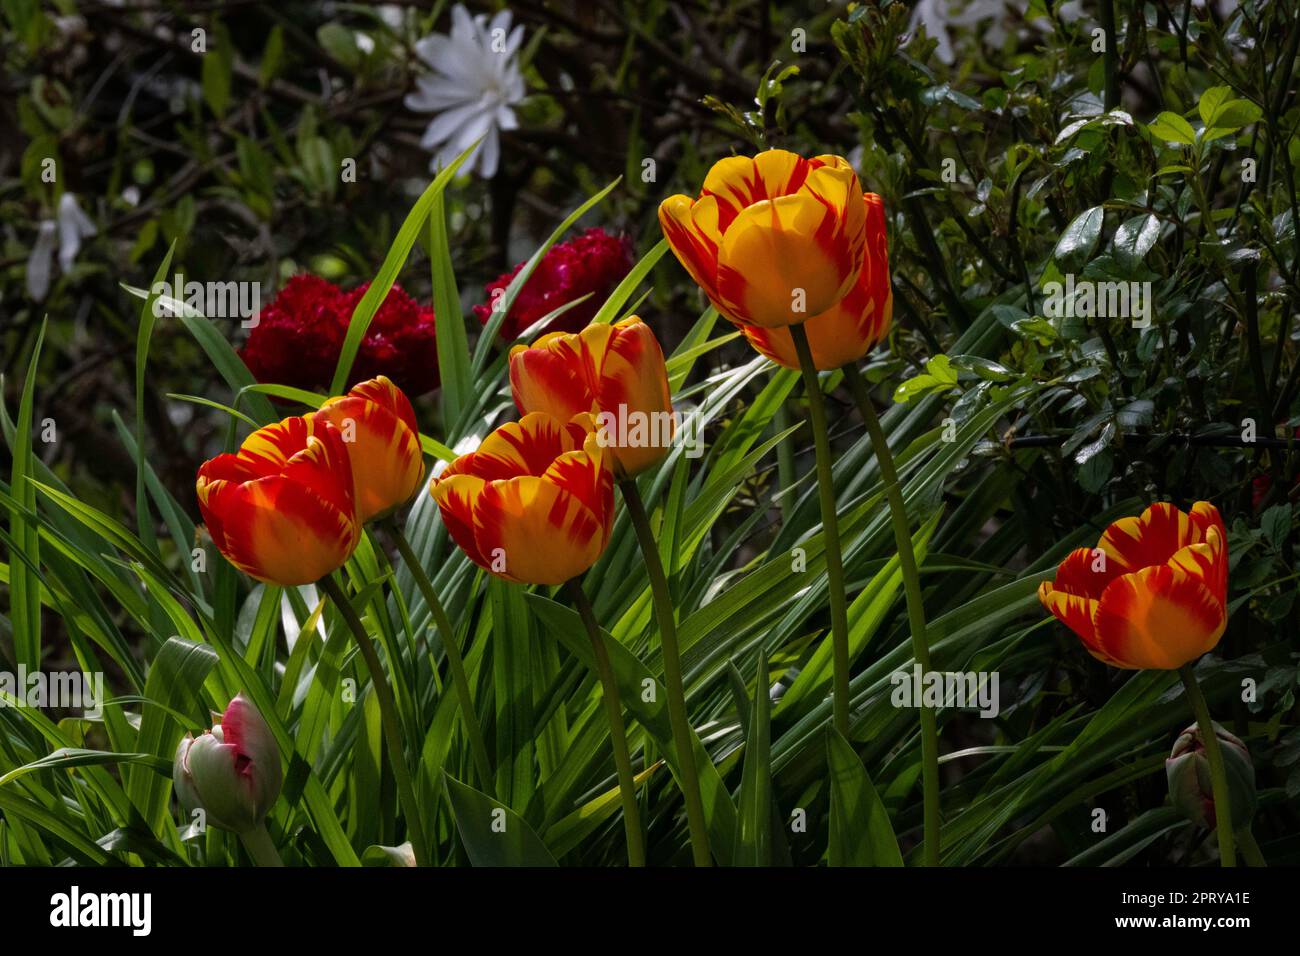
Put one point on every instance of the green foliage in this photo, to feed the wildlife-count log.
(1021, 429)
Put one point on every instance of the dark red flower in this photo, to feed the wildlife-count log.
(400, 343)
(593, 262)
(299, 336)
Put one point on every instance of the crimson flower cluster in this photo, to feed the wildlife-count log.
(594, 262)
(299, 336)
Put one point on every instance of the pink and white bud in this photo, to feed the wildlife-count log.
(232, 772)
(1188, 774)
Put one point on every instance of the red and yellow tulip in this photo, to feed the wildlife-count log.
(773, 239)
(383, 441)
(612, 371)
(1152, 594)
(534, 503)
(281, 509)
(854, 325)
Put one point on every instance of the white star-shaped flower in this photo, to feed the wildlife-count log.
(475, 82)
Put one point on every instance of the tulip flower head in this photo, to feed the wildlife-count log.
(1152, 594)
(281, 509)
(615, 372)
(772, 240)
(855, 324)
(534, 503)
(1188, 773)
(231, 772)
(383, 440)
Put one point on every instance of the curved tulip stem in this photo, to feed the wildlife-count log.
(915, 605)
(831, 531)
(260, 847)
(455, 663)
(387, 716)
(1214, 757)
(681, 723)
(1250, 849)
(617, 730)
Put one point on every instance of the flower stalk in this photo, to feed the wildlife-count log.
(1214, 756)
(455, 662)
(260, 847)
(915, 606)
(681, 725)
(831, 531)
(387, 716)
(617, 729)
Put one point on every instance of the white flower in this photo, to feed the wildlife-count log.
(69, 228)
(40, 264)
(74, 225)
(476, 81)
(938, 15)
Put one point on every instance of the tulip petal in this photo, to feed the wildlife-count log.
(633, 377)
(547, 377)
(1075, 612)
(457, 496)
(525, 447)
(691, 229)
(1202, 561)
(1205, 516)
(1207, 521)
(382, 392)
(788, 254)
(324, 467)
(282, 532)
(1086, 572)
(257, 755)
(853, 326)
(1158, 618)
(378, 425)
(739, 181)
(587, 476)
(532, 531)
(269, 449)
(1149, 540)
(282, 509)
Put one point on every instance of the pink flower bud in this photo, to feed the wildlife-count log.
(1188, 773)
(232, 772)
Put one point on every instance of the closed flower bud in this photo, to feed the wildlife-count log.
(232, 772)
(1188, 771)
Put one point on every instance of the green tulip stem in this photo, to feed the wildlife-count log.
(681, 724)
(1249, 848)
(831, 532)
(455, 662)
(388, 718)
(260, 847)
(915, 605)
(1213, 756)
(617, 730)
